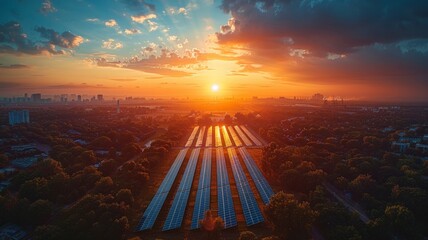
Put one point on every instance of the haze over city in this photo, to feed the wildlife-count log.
(366, 50)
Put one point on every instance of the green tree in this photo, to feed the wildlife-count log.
(290, 218)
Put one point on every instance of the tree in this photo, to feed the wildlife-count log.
(125, 195)
(290, 219)
(104, 185)
(400, 220)
(102, 142)
(247, 235)
(39, 211)
(47, 232)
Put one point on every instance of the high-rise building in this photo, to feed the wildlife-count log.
(79, 98)
(19, 116)
(36, 97)
(100, 97)
(317, 97)
(118, 107)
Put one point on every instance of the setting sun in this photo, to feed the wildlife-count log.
(214, 88)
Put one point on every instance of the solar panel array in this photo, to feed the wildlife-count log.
(235, 137)
(218, 142)
(192, 137)
(259, 180)
(226, 137)
(200, 137)
(176, 212)
(251, 135)
(209, 141)
(243, 136)
(152, 211)
(249, 204)
(202, 203)
(224, 194)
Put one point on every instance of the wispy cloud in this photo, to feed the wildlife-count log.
(47, 7)
(143, 17)
(14, 66)
(111, 44)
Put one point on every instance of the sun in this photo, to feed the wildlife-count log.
(214, 88)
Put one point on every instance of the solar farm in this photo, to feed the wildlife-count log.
(216, 165)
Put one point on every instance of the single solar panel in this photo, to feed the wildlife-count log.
(152, 211)
(224, 197)
(235, 137)
(202, 202)
(176, 212)
(249, 204)
(209, 140)
(243, 136)
(226, 137)
(260, 181)
(192, 137)
(251, 135)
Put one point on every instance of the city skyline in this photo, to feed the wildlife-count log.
(177, 49)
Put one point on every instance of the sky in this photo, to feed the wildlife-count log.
(351, 49)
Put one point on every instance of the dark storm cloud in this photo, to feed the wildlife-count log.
(324, 26)
(14, 41)
(64, 40)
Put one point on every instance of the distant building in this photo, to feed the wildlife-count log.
(100, 97)
(317, 97)
(423, 147)
(79, 98)
(118, 107)
(36, 97)
(401, 147)
(19, 116)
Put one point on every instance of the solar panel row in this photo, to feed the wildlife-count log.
(226, 137)
(224, 194)
(251, 135)
(218, 142)
(200, 137)
(152, 211)
(209, 141)
(192, 137)
(259, 180)
(235, 137)
(243, 136)
(176, 212)
(249, 204)
(202, 202)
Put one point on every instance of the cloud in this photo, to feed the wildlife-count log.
(172, 38)
(14, 41)
(112, 44)
(92, 20)
(64, 40)
(139, 5)
(132, 31)
(47, 7)
(168, 63)
(323, 27)
(4, 85)
(14, 66)
(325, 42)
(111, 23)
(152, 25)
(143, 17)
(123, 79)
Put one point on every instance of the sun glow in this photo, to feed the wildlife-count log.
(214, 88)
